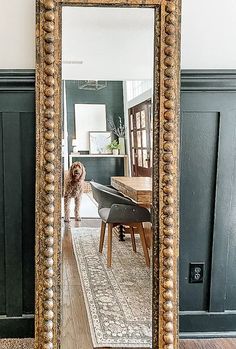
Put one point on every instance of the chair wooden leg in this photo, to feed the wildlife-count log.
(133, 239)
(102, 234)
(109, 245)
(143, 241)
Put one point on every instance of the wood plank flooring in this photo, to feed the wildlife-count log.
(75, 326)
(215, 343)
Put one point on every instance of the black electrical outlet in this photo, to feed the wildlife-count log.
(196, 271)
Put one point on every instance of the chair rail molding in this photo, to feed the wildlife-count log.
(17, 80)
(208, 80)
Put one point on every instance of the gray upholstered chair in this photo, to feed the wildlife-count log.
(115, 209)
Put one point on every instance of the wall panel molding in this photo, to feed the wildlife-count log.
(17, 175)
(206, 92)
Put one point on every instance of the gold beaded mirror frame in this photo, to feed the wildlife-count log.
(165, 168)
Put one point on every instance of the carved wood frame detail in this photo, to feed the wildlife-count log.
(165, 168)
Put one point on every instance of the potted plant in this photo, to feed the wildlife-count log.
(119, 131)
(114, 146)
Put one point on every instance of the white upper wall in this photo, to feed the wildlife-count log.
(17, 34)
(208, 34)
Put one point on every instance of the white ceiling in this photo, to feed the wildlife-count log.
(112, 43)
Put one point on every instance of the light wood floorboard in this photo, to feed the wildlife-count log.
(215, 343)
(75, 326)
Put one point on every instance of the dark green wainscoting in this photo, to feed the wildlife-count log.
(17, 181)
(97, 169)
(207, 210)
(208, 202)
(102, 169)
(111, 96)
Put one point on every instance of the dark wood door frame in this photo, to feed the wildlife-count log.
(140, 130)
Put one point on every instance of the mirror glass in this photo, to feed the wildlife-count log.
(107, 73)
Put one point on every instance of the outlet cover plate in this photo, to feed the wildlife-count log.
(196, 272)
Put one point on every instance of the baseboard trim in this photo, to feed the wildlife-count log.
(17, 327)
(205, 322)
(206, 335)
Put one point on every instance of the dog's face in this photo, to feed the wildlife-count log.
(77, 171)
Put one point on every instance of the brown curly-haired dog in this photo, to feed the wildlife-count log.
(74, 185)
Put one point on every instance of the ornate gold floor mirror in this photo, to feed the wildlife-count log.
(165, 169)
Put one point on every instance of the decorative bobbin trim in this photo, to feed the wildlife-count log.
(49, 167)
(168, 177)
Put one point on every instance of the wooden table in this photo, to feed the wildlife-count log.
(139, 189)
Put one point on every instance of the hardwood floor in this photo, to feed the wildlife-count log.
(75, 327)
(219, 343)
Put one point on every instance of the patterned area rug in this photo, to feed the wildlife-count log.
(118, 300)
(21, 343)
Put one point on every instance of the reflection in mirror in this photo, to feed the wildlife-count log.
(107, 69)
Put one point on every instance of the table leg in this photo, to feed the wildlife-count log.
(121, 233)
